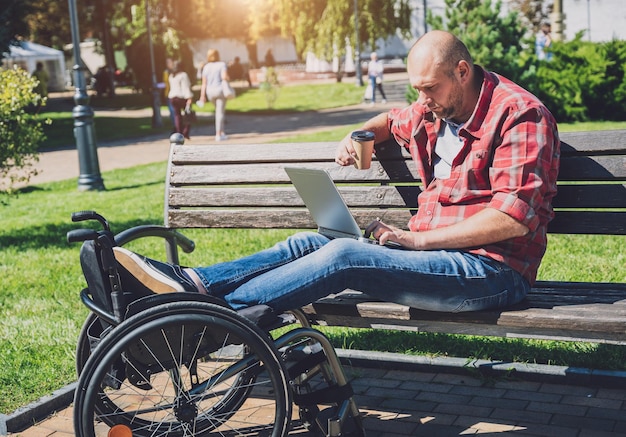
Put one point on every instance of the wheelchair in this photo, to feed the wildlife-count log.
(186, 364)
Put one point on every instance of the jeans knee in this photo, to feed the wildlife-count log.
(304, 243)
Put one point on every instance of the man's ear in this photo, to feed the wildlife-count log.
(463, 70)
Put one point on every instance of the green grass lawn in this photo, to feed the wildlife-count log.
(41, 279)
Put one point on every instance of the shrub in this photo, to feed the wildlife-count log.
(584, 81)
(21, 130)
(270, 86)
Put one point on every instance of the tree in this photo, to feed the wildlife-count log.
(324, 26)
(49, 22)
(532, 13)
(13, 23)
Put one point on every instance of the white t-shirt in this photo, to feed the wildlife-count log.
(375, 69)
(180, 86)
(448, 146)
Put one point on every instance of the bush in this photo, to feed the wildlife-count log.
(584, 81)
(270, 86)
(21, 130)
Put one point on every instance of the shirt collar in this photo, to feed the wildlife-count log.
(475, 125)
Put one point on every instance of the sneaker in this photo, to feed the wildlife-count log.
(158, 277)
(384, 100)
(222, 137)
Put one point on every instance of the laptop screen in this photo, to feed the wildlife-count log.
(322, 199)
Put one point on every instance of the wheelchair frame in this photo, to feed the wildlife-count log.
(183, 364)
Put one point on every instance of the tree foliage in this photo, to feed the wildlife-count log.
(324, 26)
(532, 13)
(13, 23)
(49, 22)
(20, 130)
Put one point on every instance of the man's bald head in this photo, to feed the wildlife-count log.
(442, 71)
(441, 49)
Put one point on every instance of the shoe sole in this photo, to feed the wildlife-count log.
(144, 273)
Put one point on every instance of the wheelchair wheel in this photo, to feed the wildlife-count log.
(183, 369)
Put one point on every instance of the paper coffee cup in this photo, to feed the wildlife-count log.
(363, 144)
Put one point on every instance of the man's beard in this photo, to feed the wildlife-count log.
(453, 106)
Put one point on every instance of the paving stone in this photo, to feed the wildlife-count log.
(609, 393)
(522, 416)
(588, 423)
(592, 401)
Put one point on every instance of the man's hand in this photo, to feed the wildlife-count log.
(383, 233)
(345, 154)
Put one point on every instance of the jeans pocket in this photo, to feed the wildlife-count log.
(484, 303)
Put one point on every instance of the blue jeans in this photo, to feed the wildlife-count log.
(170, 107)
(308, 266)
(374, 87)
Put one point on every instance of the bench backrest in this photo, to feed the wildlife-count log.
(245, 186)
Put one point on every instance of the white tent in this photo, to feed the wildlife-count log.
(27, 54)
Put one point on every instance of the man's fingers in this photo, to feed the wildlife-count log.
(345, 153)
(371, 228)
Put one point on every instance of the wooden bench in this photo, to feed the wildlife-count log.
(245, 186)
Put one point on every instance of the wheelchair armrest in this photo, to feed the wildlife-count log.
(134, 233)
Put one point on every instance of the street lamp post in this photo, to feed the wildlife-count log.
(157, 121)
(89, 169)
(357, 50)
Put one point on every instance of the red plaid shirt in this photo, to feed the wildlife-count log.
(509, 161)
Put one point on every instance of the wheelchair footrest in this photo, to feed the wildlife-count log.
(327, 395)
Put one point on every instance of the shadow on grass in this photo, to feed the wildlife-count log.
(54, 235)
(123, 100)
(60, 134)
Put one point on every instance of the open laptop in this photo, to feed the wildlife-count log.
(329, 210)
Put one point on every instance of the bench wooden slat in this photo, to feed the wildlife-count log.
(385, 196)
(588, 222)
(611, 142)
(586, 196)
(566, 222)
(593, 168)
(218, 154)
(277, 218)
(593, 314)
(366, 196)
(590, 143)
(594, 142)
(274, 173)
